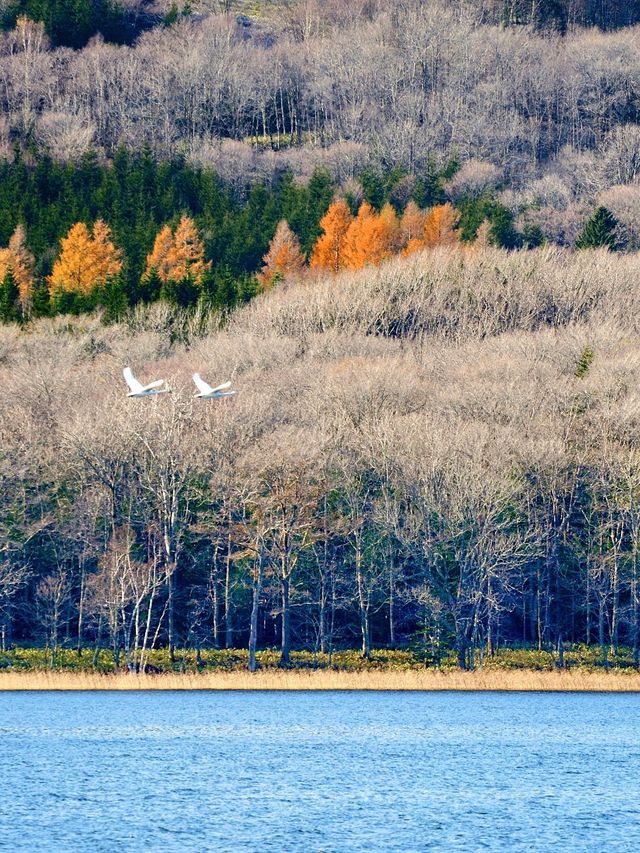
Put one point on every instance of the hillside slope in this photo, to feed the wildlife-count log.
(440, 451)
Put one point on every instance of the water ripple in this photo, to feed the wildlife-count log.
(328, 773)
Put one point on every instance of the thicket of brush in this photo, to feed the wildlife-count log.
(439, 454)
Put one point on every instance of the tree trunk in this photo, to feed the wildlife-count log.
(363, 605)
(81, 610)
(601, 637)
(392, 603)
(171, 615)
(228, 614)
(286, 628)
(255, 606)
(615, 607)
(323, 614)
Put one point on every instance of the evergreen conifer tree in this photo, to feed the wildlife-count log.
(502, 233)
(225, 291)
(9, 295)
(599, 232)
(40, 300)
(150, 286)
(113, 298)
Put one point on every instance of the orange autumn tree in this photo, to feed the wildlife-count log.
(17, 258)
(157, 259)
(179, 255)
(284, 258)
(86, 261)
(389, 230)
(371, 237)
(440, 226)
(328, 252)
(412, 228)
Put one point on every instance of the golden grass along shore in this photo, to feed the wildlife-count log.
(426, 680)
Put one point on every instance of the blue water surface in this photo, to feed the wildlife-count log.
(335, 772)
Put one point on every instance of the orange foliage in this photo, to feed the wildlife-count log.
(389, 230)
(440, 225)
(329, 250)
(19, 260)
(412, 228)
(371, 237)
(157, 259)
(85, 261)
(178, 256)
(186, 257)
(284, 257)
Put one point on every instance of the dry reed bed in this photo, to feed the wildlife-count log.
(417, 680)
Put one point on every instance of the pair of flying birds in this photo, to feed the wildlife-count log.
(137, 389)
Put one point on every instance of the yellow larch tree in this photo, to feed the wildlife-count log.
(107, 260)
(440, 226)
(356, 245)
(371, 237)
(186, 257)
(284, 258)
(86, 261)
(389, 231)
(412, 228)
(17, 258)
(180, 255)
(328, 252)
(158, 258)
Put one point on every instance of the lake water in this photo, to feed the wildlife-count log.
(343, 772)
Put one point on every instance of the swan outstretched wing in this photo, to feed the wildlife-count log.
(157, 384)
(202, 386)
(223, 387)
(134, 386)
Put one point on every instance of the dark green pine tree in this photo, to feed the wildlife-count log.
(40, 300)
(9, 293)
(150, 286)
(113, 299)
(182, 293)
(600, 231)
(428, 189)
(502, 232)
(584, 362)
(373, 189)
(219, 289)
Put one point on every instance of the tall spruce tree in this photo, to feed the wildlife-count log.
(599, 232)
(9, 294)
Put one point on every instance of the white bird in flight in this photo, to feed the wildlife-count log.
(206, 392)
(137, 389)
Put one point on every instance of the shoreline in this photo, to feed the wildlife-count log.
(573, 681)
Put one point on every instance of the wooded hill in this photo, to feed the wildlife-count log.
(81, 236)
(531, 101)
(440, 452)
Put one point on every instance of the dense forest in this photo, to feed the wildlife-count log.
(440, 452)
(85, 235)
(408, 233)
(548, 119)
(242, 114)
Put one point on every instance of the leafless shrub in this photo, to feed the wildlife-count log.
(473, 179)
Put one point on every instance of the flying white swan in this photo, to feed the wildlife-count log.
(137, 389)
(207, 392)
